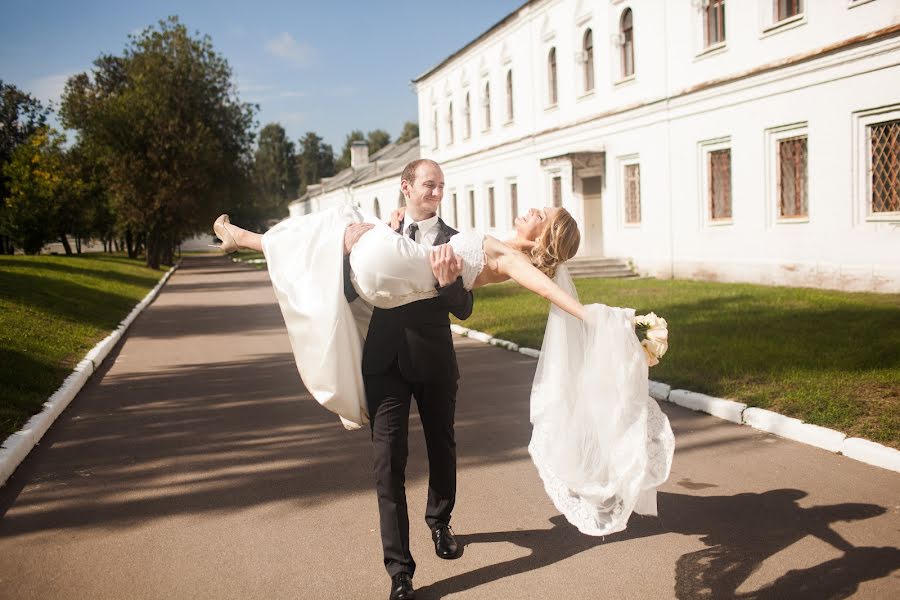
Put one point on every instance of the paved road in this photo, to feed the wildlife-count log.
(194, 465)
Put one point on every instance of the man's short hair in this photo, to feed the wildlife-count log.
(409, 171)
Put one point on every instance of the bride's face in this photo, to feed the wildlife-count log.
(530, 225)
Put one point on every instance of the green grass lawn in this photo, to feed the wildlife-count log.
(829, 358)
(53, 309)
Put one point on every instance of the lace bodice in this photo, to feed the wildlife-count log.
(469, 245)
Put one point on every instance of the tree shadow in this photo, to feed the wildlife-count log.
(740, 533)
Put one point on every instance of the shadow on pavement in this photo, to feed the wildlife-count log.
(740, 532)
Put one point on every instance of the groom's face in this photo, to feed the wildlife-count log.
(424, 194)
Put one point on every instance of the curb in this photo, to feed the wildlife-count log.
(17, 446)
(737, 412)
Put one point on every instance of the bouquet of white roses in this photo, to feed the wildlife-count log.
(653, 332)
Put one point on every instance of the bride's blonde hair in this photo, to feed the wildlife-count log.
(557, 243)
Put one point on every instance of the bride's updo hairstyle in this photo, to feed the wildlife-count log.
(557, 243)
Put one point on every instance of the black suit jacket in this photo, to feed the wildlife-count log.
(416, 334)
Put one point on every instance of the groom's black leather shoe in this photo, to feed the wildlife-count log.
(445, 545)
(402, 587)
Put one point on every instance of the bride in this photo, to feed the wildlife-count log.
(600, 443)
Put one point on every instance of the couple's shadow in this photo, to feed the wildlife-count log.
(740, 532)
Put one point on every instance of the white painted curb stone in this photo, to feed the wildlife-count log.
(871, 453)
(794, 429)
(17, 446)
(718, 407)
(738, 412)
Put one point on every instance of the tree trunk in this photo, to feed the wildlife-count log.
(129, 244)
(154, 247)
(78, 244)
(65, 243)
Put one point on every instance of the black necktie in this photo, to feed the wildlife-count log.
(413, 228)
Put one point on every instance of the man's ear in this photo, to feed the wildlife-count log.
(404, 187)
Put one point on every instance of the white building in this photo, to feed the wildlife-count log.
(751, 140)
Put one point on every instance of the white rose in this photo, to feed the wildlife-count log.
(652, 360)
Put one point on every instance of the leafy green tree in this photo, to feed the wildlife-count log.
(377, 139)
(21, 115)
(40, 189)
(275, 173)
(410, 131)
(315, 161)
(174, 139)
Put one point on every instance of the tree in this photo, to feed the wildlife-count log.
(21, 115)
(354, 136)
(410, 131)
(41, 188)
(377, 139)
(174, 139)
(275, 173)
(315, 161)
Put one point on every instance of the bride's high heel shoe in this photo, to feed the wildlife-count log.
(228, 244)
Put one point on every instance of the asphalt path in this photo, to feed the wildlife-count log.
(194, 465)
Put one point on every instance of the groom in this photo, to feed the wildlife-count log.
(408, 354)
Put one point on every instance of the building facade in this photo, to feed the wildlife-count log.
(752, 140)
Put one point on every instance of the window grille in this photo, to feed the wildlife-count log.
(792, 180)
(714, 22)
(627, 37)
(492, 214)
(487, 105)
(468, 111)
(556, 191)
(377, 209)
(472, 209)
(885, 166)
(588, 47)
(455, 212)
(551, 77)
(632, 194)
(514, 200)
(785, 9)
(720, 184)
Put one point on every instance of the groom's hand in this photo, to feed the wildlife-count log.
(353, 233)
(445, 264)
(397, 217)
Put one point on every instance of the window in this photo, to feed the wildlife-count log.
(556, 190)
(785, 9)
(468, 113)
(588, 56)
(450, 123)
(472, 209)
(486, 102)
(492, 213)
(435, 129)
(632, 189)
(792, 184)
(627, 37)
(514, 200)
(719, 184)
(714, 23)
(377, 208)
(551, 78)
(884, 170)
(455, 212)
(509, 96)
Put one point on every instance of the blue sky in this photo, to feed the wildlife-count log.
(327, 67)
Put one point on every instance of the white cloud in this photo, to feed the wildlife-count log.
(50, 88)
(285, 46)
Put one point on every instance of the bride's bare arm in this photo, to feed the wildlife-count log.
(512, 263)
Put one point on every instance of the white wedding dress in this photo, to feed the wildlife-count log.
(600, 444)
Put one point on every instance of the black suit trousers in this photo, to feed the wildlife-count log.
(389, 395)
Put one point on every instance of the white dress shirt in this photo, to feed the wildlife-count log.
(427, 232)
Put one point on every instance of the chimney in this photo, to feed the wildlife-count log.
(359, 153)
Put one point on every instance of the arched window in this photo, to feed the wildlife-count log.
(486, 101)
(509, 96)
(587, 46)
(468, 112)
(627, 32)
(450, 123)
(377, 208)
(435, 130)
(551, 77)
